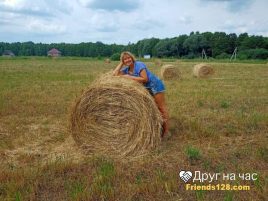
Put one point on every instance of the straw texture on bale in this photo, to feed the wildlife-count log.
(203, 70)
(116, 116)
(169, 72)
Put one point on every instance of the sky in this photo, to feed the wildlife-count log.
(126, 21)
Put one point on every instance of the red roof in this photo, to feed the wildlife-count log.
(54, 51)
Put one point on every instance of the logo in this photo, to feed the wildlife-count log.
(185, 176)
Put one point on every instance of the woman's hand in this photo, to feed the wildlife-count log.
(120, 64)
(118, 68)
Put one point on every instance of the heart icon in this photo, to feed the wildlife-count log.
(185, 176)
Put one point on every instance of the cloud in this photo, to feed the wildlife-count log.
(126, 20)
(233, 5)
(37, 20)
(107, 28)
(39, 26)
(219, 0)
(23, 8)
(146, 24)
(109, 5)
(34, 30)
(37, 8)
(104, 22)
(185, 19)
(254, 27)
(237, 5)
(4, 22)
(28, 12)
(62, 6)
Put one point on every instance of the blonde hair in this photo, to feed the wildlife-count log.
(127, 53)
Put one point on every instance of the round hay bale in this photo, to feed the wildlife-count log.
(107, 61)
(116, 116)
(203, 70)
(169, 72)
(158, 62)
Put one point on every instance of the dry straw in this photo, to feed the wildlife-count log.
(107, 61)
(158, 62)
(203, 70)
(169, 72)
(117, 117)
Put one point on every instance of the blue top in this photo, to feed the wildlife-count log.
(154, 84)
(138, 67)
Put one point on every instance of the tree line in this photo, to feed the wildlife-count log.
(216, 45)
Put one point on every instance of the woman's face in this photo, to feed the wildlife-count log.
(127, 60)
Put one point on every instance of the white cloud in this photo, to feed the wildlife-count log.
(185, 19)
(126, 20)
(115, 5)
(41, 8)
(43, 27)
(233, 5)
(104, 22)
(11, 3)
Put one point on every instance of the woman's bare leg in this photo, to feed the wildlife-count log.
(160, 101)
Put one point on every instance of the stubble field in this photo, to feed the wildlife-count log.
(221, 126)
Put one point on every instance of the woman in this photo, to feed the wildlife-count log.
(137, 70)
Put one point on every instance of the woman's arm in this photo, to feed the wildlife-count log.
(117, 69)
(142, 79)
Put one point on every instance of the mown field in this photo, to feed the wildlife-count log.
(221, 127)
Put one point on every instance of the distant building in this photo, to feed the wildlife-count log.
(54, 53)
(147, 56)
(8, 53)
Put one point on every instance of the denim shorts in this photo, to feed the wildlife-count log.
(155, 85)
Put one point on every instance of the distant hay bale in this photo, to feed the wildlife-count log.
(169, 72)
(117, 117)
(158, 62)
(107, 61)
(178, 61)
(203, 70)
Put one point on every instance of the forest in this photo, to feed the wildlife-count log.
(218, 45)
